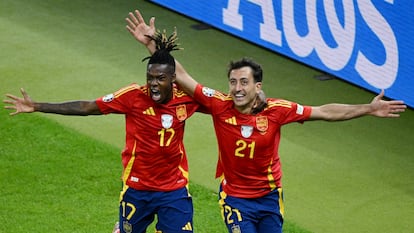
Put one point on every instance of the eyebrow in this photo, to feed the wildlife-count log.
(156, 74)
(241, 79)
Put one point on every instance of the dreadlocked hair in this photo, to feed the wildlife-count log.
(164, 45)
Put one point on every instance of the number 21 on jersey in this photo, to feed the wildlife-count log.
(244, 149)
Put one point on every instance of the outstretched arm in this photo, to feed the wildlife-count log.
(140, 31)
(340, 112)
(27, 105)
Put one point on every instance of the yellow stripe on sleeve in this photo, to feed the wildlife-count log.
(126, 89)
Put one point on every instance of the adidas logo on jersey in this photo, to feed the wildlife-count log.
(231, 120)
(187, 227)
(149, 111)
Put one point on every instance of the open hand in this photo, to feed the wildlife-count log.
(21, 105)
(384, 108)
(139, 29)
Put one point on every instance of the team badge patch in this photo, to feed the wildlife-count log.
(208, 91)
(246, 131)
(108, 98)
(235, 229)
(127, 227)
(166, 121)
(181, 112)
(261, 123)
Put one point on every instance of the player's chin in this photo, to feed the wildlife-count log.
(241, 106)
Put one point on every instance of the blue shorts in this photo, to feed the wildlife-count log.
(174, 211)
(255, 215)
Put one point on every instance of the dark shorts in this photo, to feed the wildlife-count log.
(255, 215)
(174, 211)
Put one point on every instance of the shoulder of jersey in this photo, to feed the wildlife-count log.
(216, 94)
(179, 93)
(126, 89)
(272, 103)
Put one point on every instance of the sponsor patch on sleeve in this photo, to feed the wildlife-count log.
(208, 92)
(299, 109)
(108, 98)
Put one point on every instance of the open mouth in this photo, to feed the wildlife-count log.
(155, 95)
(239, 97)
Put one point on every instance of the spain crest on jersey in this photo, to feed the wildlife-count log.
(181, 112)
(261, 123)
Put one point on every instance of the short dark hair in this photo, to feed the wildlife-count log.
(164, 45)
(257, 69)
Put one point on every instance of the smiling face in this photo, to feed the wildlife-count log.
(160, 79)
(243, 88)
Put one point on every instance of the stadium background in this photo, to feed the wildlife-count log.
(366, 43)
(352, 176)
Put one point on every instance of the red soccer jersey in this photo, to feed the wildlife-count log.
(154, 157)
(248, 144)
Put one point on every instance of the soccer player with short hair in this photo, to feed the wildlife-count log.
(155, 170)
(249, 165)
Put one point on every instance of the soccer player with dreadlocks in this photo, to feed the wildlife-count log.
(155, 170)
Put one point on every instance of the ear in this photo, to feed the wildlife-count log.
(173, 77)
(258, 87)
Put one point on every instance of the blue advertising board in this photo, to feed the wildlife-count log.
(365, 42)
